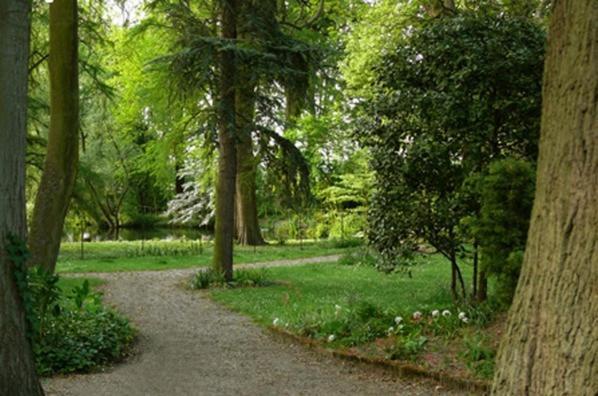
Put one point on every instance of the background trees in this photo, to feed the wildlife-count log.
(550, 344)
(18, 376)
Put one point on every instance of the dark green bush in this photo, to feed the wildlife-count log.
(72, 332)
(507, 195)
(79, 340)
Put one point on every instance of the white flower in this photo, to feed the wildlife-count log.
(390, 330)
(398, 320)
(435, 313)
(417, 315)
(465, 319)
(400, 327)
(276, 322)
(331, 337)
(462, 315)
(446, 313)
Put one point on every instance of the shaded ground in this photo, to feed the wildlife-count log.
(189, 345)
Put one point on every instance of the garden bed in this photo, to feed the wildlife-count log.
(353, 312)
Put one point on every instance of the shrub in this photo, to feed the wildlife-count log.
(79, 340)
(507, 195)
(479, 356)
(408, 346)
(72, 332)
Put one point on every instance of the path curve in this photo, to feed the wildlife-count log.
(189, 345)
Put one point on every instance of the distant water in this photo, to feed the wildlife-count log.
(135, 234)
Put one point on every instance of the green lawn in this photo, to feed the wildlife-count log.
(305, 290)
(68, 284)
(160, 255)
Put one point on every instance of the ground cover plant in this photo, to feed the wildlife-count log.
(356, 308)
(160, 255)
(71, 330)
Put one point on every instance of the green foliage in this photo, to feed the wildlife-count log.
(408, 346)
(507, 194)
(362, 256)
(74, 332)
(452, 95)
(241, 278)
(81, 339)
(357, 323)
(479, 355)
(69, 332)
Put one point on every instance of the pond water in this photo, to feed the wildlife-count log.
(135, 234)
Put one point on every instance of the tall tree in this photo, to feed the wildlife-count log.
(62, 157)
(254, 22)
(551, 342)
(17, 374)
(227, 160)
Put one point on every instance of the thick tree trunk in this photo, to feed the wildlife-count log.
(256, 21)
(62, 157)
(551, 343)
(247, 223)
(227, 161)
(17, 368)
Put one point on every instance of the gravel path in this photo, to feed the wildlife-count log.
(189, 345)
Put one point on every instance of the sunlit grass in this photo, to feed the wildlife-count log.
(317, 288)
(160, 255)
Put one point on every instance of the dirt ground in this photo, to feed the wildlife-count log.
(189, 345)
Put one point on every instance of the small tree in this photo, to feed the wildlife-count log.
(506, 196)
(458, 92)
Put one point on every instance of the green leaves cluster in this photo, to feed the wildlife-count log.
(69, 332)
(455, 94)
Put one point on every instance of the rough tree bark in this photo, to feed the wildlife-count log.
(17, 368)
(551, 343)
(247, 222)
(249, 26)
(62, 157)
(227, 160)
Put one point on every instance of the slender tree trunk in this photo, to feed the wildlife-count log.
(551, 343)
(247, 222)
(17, 368)
(482, 293)
(62, 157)
(476, 255)
(227, 161)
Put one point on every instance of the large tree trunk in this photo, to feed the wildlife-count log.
(551, 343)
(247, 222)
(227, 160)
(17, 368)
(62, 157)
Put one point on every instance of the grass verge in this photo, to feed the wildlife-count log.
(363, 312)
(162, 255)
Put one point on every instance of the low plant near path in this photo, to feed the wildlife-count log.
(362, 311)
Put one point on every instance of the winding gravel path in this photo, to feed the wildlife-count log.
(189, 345)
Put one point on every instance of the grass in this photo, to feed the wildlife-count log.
(317, 288)
(357, 305)
(161, 255)
(68, 284)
